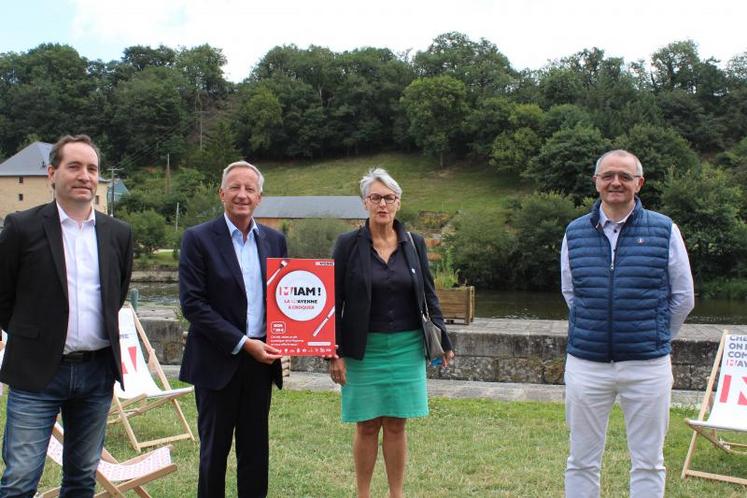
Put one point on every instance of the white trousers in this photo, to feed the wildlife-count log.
(645, 389)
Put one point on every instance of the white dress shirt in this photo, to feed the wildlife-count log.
(85, 323)
(681, 292)
(251, 272)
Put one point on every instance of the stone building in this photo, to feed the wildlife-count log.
(24, 182)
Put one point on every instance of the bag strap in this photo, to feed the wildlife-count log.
(425, 301)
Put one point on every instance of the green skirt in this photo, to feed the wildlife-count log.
(389, 381)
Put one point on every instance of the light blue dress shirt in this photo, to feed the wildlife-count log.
(251, 273)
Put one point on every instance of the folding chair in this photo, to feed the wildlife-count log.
(727, 410)
(141, 392)
(131, 475)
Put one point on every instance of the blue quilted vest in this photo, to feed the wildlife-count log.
(620, 310)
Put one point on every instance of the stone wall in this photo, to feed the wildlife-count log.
(533, 351)
(493, 350)
(165, 333)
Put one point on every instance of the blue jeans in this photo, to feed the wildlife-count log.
(83, 393)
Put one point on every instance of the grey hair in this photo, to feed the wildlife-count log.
(243, 164)
(623, 153)
(379, 175)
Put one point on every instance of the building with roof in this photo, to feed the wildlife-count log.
(24, 182)
(272, 211)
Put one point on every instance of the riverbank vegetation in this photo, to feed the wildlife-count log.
(504, 155)
(464, 448)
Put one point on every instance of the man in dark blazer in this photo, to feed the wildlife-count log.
(222, 290)
(64, 273)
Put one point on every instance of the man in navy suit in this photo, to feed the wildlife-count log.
(222, 290)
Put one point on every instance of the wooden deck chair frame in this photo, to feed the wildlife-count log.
(111, 487)
(123, 409)
(712, 434)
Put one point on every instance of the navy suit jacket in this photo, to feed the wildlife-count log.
(213, 299)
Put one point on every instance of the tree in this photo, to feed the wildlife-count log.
(305, 127)
(40, 87)
(540, 221)
(683, 112)
(559, 85)
(201, 68)
(483, 69)
(706, 204)
(514, 148)
(734, 162)
(481, 252)
(139, 57)
(149, 117)
(436, 108)
(148, 231)
(659, 150)
(676, 66)
(564, 116)
(490, 117)
(265, 118)
(203, 205)
(565, 162)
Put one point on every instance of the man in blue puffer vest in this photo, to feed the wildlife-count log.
(626, 278)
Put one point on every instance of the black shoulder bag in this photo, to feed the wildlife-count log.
(431, 333)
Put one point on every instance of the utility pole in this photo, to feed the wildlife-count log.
(198, 109)
(168, 172)
(176, 223)
(113, 172)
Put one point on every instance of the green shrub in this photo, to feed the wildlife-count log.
(148, 231)
(445, 275)
(314, 238)
(725, 288)
(539, 222)
(481, 251)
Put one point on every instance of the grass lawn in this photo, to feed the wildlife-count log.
(476, 448)
(477, 189)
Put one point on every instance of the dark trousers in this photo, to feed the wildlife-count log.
(241, 407)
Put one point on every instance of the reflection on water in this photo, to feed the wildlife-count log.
(511, 304)
(551, 306)
(516, 304)
(157, 293)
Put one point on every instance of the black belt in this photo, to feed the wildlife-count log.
(83, 356)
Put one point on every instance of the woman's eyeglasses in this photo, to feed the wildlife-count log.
(376, 198)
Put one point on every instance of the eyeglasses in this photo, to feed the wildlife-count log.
(624, 177)
(376, 198)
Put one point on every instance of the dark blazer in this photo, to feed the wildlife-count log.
(213, 299)
(33, 291)
(352, 255)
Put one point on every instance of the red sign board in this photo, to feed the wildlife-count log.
(301, 306)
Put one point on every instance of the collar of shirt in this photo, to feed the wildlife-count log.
(234, 231)
(64, 217)
(399, 228)
(603, 219)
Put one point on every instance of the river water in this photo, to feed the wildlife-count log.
(513, 304)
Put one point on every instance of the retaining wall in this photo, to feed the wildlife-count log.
(533, 351)
(493, 350)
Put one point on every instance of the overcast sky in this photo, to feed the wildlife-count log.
(529, 32)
